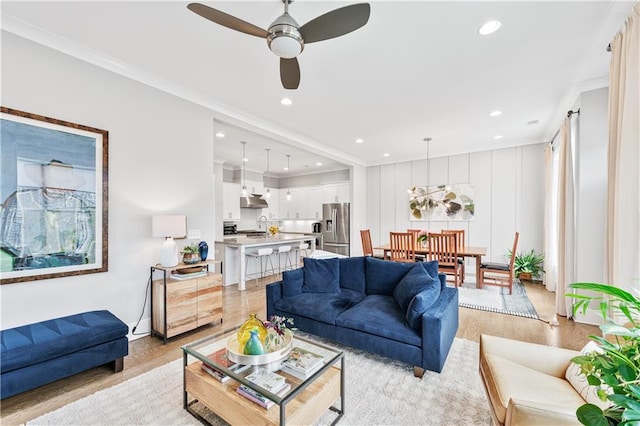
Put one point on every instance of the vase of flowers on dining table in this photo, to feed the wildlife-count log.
(422, 238)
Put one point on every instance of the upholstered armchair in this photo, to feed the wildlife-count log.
(527, 383)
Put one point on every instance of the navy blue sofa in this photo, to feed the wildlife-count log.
(402, 311)
(36, 354)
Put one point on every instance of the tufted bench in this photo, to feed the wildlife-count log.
(36, 354)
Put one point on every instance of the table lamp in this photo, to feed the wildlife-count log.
(169, 227)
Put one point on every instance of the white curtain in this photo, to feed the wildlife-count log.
(550, 213)
(565, 219)
(622, 251)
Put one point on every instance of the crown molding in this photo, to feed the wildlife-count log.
(220, 111)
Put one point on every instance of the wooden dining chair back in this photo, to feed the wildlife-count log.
(460, 244)
(499, 274)
(367, 246)
(443, 248)
(403, 247)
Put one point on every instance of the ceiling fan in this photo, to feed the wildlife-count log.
(286, 38)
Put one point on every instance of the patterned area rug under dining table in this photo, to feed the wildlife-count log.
(497, 299)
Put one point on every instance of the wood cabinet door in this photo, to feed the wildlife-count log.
(209, 299)
(181, 306)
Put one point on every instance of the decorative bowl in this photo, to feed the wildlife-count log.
(235, 352)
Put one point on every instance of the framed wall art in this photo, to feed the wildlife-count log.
(54, 195)
(441, 202)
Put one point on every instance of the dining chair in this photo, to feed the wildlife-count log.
(444, 249)
(367, 246)
(460, 244)
(500, 274)
(403, 247)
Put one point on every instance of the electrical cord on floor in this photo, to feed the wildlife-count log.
(144, 305)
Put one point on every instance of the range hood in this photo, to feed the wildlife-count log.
(254, 201)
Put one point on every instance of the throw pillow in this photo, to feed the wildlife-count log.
(413, 282)
(382, 276)
(579, 380)
(321, 276)
(352, 273)
(292, 282)
(419, 305)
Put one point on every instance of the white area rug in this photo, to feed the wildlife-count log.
(497, 299)
(379, 391)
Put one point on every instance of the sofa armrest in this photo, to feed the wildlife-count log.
(521, 412)
(545, 359)
(439, 327)
(274, 293)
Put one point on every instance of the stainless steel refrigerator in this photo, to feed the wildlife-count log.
(335, 228)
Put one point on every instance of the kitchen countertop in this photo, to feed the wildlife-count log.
(261, 241)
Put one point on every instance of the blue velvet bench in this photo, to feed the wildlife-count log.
(36, 354)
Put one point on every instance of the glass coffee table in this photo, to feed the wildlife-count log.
(304, 403)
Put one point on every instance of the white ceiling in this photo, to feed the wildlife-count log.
(417, 69)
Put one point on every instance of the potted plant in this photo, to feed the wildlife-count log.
(527, 266)
(190, 254)
(616, 369)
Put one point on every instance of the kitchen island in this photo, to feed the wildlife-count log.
(232, 251)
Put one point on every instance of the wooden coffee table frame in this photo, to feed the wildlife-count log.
(303, 405)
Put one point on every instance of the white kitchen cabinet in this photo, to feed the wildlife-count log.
(231, 201)
(343, 193)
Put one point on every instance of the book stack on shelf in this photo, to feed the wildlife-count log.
(190, 273)
(302, 363)
(268, 380)
(220, 358)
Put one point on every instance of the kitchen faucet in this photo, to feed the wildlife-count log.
(261, 219)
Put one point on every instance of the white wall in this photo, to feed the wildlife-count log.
(509, 196)
(160, 161)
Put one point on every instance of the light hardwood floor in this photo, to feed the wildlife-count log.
(147, 353)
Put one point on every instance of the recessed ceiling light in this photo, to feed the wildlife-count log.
(286, 168)
(318, 164)
(286, 101)
(489, 27)
(532, 122)
(220, 135)
(498, 137)
(495, 113)
(359, 140)
(245, 159)
(386, 154)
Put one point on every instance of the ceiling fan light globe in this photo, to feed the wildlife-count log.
(285, 45)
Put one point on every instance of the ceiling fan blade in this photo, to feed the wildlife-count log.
(227, 20)
(289, 73)
(336, 23)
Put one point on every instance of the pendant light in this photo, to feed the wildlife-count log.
(426, 206)
(288, 173)
(244, 191)
(268, 194)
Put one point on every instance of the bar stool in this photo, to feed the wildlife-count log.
(286, 251)
(263, 255)
(304, 247)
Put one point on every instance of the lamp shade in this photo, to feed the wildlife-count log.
(169, 226)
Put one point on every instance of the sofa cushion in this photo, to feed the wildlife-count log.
(413, 282)
(321, 276)
(505, 379)
(292, 282)
(352, 273)
(420, 303)
(33, 343)
(323, 307)
(382, 276)
(579, 380)
(380, 315)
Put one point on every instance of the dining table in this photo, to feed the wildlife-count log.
(475, 252)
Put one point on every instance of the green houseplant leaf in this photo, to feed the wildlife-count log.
(615, 370)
